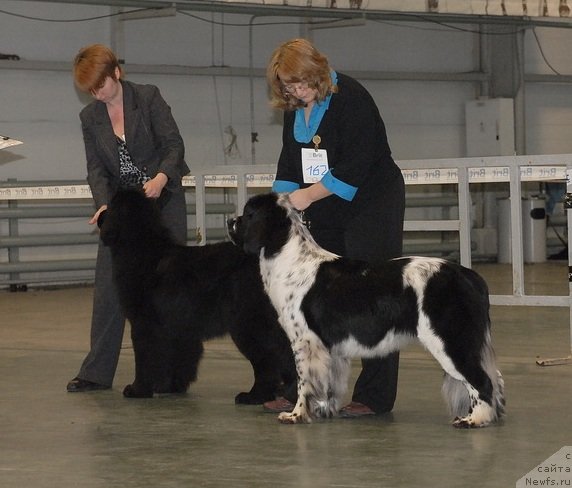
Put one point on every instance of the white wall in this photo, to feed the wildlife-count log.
(424, 119)
(549, 106)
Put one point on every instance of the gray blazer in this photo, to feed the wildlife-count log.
(152, 136)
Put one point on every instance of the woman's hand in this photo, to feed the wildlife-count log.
(93, 220)
(154, 187)
(300, 199)
(304, 197)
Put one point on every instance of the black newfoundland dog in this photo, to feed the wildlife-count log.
(333, 309)
(176, 297)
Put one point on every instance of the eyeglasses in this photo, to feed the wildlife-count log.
(294, 87)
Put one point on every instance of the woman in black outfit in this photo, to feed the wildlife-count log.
(337, 166)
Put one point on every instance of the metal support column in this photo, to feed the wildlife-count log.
(568, 208)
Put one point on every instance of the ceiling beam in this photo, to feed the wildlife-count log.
(265, 10)
(246, 72)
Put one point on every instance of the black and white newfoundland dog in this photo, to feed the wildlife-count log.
(334, 309)
(176, 297)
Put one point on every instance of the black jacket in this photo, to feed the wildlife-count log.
(353, 133)
(152, 136)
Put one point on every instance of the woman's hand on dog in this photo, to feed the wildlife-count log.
(303, 198)
(154, 187)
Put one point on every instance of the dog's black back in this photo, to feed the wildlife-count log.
(178, 296)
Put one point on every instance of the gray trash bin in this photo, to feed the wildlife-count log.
(533, 230)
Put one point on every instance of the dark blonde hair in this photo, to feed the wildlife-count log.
(297, 61)
(92, 65)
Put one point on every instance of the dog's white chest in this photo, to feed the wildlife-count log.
(285, 286)
(287, 277)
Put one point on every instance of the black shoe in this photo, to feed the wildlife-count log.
(79, 385)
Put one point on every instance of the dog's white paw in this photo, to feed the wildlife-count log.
(481, 415)
(294, 418)
(467, 423)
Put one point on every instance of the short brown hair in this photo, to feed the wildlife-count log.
(92, 65)
(298, 61)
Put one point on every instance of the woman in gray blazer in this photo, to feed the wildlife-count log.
(131, 139)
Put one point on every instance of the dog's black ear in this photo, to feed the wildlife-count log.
(101, 218)
(108, 231)
(278, 225)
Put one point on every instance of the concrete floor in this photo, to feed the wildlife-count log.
(51, 438)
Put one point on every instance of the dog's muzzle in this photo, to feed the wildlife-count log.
(232, 229)
(231, 224)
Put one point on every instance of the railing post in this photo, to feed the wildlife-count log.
(200, 217)
(13, 252)
(464, 216)
(568, 210)
(517, 253)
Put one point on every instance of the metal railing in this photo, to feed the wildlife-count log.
(461, 172)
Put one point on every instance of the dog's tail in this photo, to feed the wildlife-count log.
(457, 395)
(489, 364)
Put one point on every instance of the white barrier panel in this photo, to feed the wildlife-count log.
(437, 176)
(491, 174)
(48, 192)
